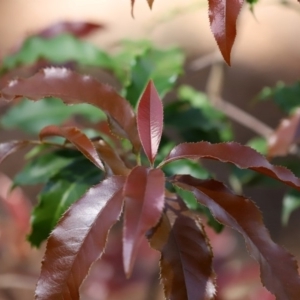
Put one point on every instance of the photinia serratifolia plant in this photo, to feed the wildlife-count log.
(144, 199)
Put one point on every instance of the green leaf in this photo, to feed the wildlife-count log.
(162, 66)
(259, 144)
(63, 189)
(33, 117)
(287, 97)
(193, 204)
(59, 49)
(194, 118)
(186, 166)
(41, 168)
(291, 202)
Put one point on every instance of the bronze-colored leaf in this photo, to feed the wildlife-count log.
(279, 272)
(286, 134)
(113, 164)
(186, 257)
(77, 138)
(73, 88)
(78, 240)
(242, 156)
(144, 201)
(223, 15)
(150, 121)
(9, 148)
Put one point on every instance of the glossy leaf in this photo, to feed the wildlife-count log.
(78, 240)
(241, 156)
(41, 168)
(59, 49)
(279, 272)
(73, 88)
(291, 202)
(144, 202)
(77, 138)
(76, 28)
(150, 121)
(33, 117)
(186, 258)
(286, 134)
(223, 16)
(8, 148)
(161, 66)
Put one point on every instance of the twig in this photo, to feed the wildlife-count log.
(214, 88)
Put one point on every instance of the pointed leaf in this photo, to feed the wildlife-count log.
(144, 202)
(286, 134)
(223, 16)
(9, 148)
(73, 88)
(186, 258)
(60, 191)
(242, 156)
(78, 240)
(150, 3)
(77, 138)
(150, 121)
(279, 272)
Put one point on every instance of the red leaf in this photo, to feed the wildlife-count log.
(242, 156)
(77, 138)
(279, 271)
(223, 16)
(73, 88)
(9, 148)
(186, 258)
(79, 29)
(287, 133)
(144, 202)
(78, 240)
(150, 121)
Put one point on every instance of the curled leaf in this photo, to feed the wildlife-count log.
(73, 88)
(150, 121)
(78, 240)
(223, 16)
(242, 156)
(144, 201)
(279, 273)
(77, 138)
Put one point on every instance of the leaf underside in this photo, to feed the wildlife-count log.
(78, 240)
(8, 148)
(279, 272)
